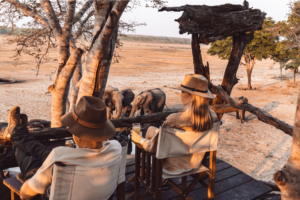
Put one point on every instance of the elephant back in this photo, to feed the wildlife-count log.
(128, 97)
(159, 99)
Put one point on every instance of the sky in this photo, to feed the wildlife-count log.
(163, 24)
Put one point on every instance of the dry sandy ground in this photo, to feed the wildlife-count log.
(254, 147)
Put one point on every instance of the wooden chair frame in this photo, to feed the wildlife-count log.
(148, 172)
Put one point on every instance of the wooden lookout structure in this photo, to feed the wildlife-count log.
(211, 23)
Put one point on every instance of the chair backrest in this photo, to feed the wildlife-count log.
(79, 182)
(176, 142)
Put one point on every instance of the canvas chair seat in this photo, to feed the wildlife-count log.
(200, 169)
(78, 182)
(173, 142)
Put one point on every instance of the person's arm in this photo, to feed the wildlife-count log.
(148, 145)
(26, 192)
(137, 138)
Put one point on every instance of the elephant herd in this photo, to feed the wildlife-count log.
(125, 103)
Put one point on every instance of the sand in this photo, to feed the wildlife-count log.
(256, 148)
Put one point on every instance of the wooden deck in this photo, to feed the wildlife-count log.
(231, 184)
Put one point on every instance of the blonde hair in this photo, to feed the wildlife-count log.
(199, 113)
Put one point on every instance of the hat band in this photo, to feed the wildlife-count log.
(193, 89)
(87, 124)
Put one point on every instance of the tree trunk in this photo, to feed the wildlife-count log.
(239, 44)
(59, 91)
(249, 72)
(74, 86)
(229, 80)
(288, 178)
(99, 58)
(197, 57)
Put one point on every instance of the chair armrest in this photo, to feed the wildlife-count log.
(15, 185)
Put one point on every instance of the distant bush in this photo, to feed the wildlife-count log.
(8, 31)
(155, 39)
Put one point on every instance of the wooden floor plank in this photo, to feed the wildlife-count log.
(248, 191)
(223, 174)
(222, 186)
(230, 181)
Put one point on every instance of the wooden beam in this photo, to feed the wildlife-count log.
(56, 133)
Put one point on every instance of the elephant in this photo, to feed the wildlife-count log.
(117, 100)
(150, 101)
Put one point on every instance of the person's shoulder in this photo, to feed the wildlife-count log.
(113, 145)
(61, 149)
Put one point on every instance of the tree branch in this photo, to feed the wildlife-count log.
(69, 19)
(81, 12)
(52, 18)
(261, 114)
(82, 23)
(29, 12)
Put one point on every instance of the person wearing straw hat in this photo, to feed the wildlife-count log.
(197, 117)
(91, 131)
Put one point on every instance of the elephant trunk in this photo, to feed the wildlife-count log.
(118, 106)
(133, 110)
(108, 114)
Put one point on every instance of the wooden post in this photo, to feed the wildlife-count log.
(148, 169)
(137, 173)
(212, 167)
(158, 188)
(153, 175)
(143, 164)
(121, 191)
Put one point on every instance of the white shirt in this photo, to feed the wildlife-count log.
(95, 175)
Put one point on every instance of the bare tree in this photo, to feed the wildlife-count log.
(70, 26)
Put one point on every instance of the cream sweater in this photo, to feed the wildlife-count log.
(177, 120)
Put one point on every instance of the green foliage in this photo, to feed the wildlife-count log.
(261, 47)
(287, 51)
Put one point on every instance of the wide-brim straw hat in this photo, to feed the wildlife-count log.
(195, 84)
(88, 120)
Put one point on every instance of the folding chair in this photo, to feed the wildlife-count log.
(63, 175)
(174, 142)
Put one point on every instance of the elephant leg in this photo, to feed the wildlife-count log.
(237, 115)
(243, 116)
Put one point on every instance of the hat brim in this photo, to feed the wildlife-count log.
(208, 95)
(85, 133)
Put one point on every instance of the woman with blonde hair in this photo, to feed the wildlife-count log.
(197, 117)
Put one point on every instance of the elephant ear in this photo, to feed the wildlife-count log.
(128, 97)
(141, 99)
(107, 98)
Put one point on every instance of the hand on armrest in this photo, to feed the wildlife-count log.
(26, 192)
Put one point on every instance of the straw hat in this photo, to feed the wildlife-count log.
(195, 84)
(88, 121)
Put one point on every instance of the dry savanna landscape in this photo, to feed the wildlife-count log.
(256, 148)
